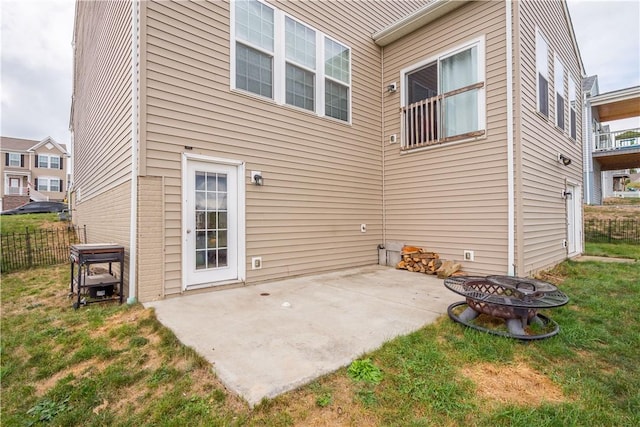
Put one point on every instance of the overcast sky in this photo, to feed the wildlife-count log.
(36, 66)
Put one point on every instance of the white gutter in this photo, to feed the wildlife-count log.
(417, 19)
(133, 227)
(510, 169)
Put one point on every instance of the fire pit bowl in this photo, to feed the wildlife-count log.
(516, 300)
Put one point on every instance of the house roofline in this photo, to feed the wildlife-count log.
(52, 141)
(615, 95)
(426, 14)
(572, 34)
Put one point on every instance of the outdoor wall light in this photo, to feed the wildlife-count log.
(392, 87)
(564, 159)
(257, 179)
(567, 194)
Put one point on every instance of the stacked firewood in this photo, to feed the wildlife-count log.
(423, 261)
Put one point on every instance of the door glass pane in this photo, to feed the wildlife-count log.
(200, 181)
(201, 262)
(200, 221)
(222, 258)
(222, 238)
(210, 219)
(222, 220)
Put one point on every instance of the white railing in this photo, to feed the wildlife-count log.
(420, 122)
(423, 123)
(16, 191)
(605, 141)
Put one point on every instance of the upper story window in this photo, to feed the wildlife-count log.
(48, 161)
(542, 73)
(49, 184)
(443, 97)
(572, 108)
(300, 56)
(14, 160)
(558, 82)
(337, 70)
(254, 47)
(278, 57)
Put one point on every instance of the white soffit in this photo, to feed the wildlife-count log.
(421, 17)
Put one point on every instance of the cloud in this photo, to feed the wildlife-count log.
(36, 68)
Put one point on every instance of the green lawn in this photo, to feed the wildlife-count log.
(116, 365)
(19, 223)
(622, 250)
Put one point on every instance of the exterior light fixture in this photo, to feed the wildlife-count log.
(257, 179)
(564, 159)
(392, 87)
(567, 194)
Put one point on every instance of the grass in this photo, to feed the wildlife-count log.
(19, 223)
(621, 250)
(107, 364)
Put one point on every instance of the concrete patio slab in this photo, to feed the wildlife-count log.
(264, 345)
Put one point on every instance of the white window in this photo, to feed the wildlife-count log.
(254, 47)
(572, 108)
(337, 70)
(300, 55)
(444, 97)
(278, 57)
(558, 82)
(542, 74)
(15, 160)
(47, 161)
(49, 184)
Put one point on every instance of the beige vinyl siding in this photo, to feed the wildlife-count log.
(451, 198)
(542, 178)
(102, 96)
(106, 218)
(150, 239)
(322, 177)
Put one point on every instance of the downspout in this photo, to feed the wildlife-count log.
(384, 201)
(133, 226)
(510, 169)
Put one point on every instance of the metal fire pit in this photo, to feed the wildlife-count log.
(514, 299)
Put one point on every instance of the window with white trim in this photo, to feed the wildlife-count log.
(542, 74)
(443, 97)
(558, 82)
(48, 161)
(572, 108)
(337, 69)
(49, 184)
(254, 48)
(15, 160)
(300, 57)
(280, 58)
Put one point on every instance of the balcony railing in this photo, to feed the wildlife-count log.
(16, 191)
(605, 141)
(424, 122)
(420, 122)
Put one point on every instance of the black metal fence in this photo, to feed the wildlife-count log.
(38, 247)
(612, 231)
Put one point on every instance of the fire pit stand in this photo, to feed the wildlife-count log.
(514, 299)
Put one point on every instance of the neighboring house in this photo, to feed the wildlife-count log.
(32, 170)
(608, 153)
(235, 143)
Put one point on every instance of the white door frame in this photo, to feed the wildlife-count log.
(241, 265)
(574, 225)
